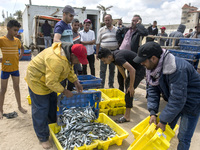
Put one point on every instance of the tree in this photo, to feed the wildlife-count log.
(18, 13)
(103, 10)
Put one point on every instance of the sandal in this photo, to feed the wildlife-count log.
(11, 115)
(121, 120)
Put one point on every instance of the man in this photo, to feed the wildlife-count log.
(62, 29)
(44, 74)
(187, 35)
(88, 40)
(119, 24)
(124, 60)
(76, 40)
(81, 26)
(129, 39)
(46, 31)
(107, 39)
(163, 33)
(152, 30)
(179, 83)
(178, 33)
(196, 33)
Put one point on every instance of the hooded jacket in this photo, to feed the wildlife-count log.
(179, 84)
(178, 33)
(49, 68)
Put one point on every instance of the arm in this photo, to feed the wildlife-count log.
(21, 52)
(132, 78)
(122, 71)
(88, 42)
(57, 37)
(141, 30)
(97, 50)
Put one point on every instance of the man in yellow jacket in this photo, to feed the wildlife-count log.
(44, 74)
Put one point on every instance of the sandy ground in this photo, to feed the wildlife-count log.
(18, 133)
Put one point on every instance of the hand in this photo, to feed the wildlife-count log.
(67, 93)
(160, 125)
(131, 90)
(97, 57)
(139, 21)
(152, 119)
(20, 56)
(79, 87)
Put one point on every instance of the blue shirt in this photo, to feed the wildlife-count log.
(65, 30)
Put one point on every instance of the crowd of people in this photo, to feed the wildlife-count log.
(58, 65)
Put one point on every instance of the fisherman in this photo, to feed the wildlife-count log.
(44, 74)
(179, 84)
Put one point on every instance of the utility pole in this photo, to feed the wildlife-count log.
(30, 2)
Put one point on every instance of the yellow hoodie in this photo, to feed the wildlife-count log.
(48, 69)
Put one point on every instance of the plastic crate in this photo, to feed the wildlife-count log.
(29, 99)
(144, 125)
(185, 54)
(195, 48)
(117, 111)
(189, 41)
(115, 96)
(105, 111)
(54, 128)
(89, 81)
(86, 98)
(103, 118)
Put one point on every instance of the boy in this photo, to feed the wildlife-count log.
(136, 72)
(10, 45)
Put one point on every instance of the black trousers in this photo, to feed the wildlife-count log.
(91, 61)
(138, 78)
(120, 81)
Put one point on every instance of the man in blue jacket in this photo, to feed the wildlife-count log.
(179, 83)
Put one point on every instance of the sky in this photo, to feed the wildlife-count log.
(165, 12)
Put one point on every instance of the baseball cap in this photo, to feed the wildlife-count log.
(147, 51)
(87, 21)
(163, 28)
(80, 52)
(69, 9)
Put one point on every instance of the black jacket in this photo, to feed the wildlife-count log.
(151, 32)
(135, 40)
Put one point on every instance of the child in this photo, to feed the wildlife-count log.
(9, 45)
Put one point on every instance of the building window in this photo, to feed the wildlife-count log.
(189, 15)
(188, 21)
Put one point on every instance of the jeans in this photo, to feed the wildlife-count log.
(44, 109)
(186, 129)
(47, 41)
(91, 61)
(103, 68)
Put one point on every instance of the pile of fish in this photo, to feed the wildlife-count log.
(79, 129)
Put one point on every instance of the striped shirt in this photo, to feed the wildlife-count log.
(107, 38)
(9, 48)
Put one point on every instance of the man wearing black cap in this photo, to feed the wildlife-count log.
(179, 84)
(62, 29)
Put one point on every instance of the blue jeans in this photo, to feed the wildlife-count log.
(186, 130)
(103, 68)
(44, 109)
(47, 41)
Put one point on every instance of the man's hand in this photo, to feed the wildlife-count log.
(79, 87)
(67, 93)
(152, 120)
(160, 125)
(131, 91)
(97, 57)
(139, 21)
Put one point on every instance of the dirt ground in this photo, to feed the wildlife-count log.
(18, 133)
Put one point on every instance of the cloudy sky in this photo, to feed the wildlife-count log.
(164, 11)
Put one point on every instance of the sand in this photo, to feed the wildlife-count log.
(18, 133)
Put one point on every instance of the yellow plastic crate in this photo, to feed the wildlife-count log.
(103, 118)
(117, 111)
(29, 99)
(118, 139)
(115, 96)
(54, 128)
(105, 111)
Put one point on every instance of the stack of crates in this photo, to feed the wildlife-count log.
(148, 138)
(113, 101)
(87, 98)
(27, 55)
(90, 81)
(189, 50)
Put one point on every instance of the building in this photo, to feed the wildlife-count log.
(31, 11)
(190, 16)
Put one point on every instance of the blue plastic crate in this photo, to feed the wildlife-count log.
(189, 41)
(90, 81)
(185, 54)
(86, 98)
(190, 47)
(26, 58)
